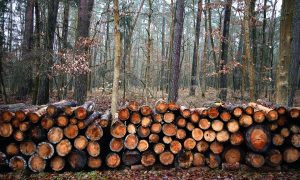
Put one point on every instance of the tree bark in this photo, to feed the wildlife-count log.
(196, 49)
(282, 71)
(248, 50)
(173, 90)
(224, 55)
(117, 59)
(24, 88)
(295, 61)
(84, 18)
(43, 94)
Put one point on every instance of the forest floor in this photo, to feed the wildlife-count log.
(103, 98)
(157, 174)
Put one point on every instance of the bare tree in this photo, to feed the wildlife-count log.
(282, 71)
(224, 53)
(295, 61)
(117, 59)
(173, 90)
(248, 56)
(84, 17)
(196, 49)
(43, 93)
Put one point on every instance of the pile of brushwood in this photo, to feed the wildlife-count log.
(64, 136)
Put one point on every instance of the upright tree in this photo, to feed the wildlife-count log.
(2, 21)
(224, 53)
(43, 94)
(27, 44)
(196, 50)
(175, 71)
(295, 61)
(247, 52)
(83, 26)
(282, 71)
(117, 58)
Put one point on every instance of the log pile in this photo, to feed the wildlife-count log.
(64, 136)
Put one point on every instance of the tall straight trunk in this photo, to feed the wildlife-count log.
(263, 57)
(211, 36)
(43, 95)
(149, 45)
(107, 42)
(2, 21)
(128, 46)
(37, 46)
(282, 71)
(248, 50)
(83, 26)
(224, 53)
(65, 32)
(173, 90)
(65, 23)
(27, 45)
(172, 29)
(196, 49)
(117, 59)
(254, 42)
(10, 38)
(205, 57)
(295, 61)
(163, 54)
(236, 72)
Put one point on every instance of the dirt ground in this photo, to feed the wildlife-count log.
(155, 174)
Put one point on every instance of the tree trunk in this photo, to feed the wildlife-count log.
(248, 50)
(196, 49)
(295, 61)
(83, 26)
(224, 55)
(43, 94)
(282, 71)
(211, 36)
(205, 57)
(117, 59)
(148, 48)
(24, 88)
(254, 43)
(173, 90)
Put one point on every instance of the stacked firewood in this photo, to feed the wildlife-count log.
(55, 137)
(176, 135)
(63, 136)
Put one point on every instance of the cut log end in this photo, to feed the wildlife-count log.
(55, 135)
(36, 163)
(94, 132)
(80, 142)
(17, 163)
(166, 158)
(118, 129)
(93, 148)
(113, 160)
(258, 138)
(64, 147)
(45, 150)
(57, 163)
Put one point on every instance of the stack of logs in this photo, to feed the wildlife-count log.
(65, 137)
(55, 137)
